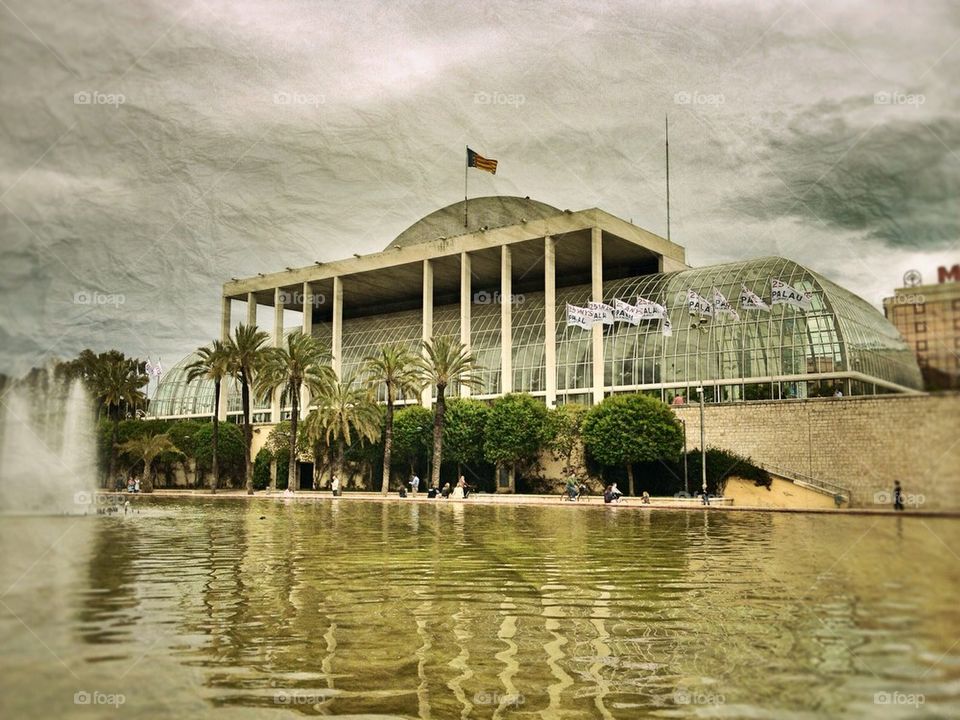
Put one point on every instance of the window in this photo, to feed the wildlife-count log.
(921, 327)
(921, 345)
(919, 309)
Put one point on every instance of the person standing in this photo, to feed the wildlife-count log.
(335, 485)
(414, 484)
(897, 495)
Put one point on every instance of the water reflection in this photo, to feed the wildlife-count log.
(452, 610)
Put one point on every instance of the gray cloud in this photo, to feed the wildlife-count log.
(259, 135)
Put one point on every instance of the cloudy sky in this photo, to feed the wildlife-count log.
(153, 150)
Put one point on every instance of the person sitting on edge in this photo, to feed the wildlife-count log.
(335, 485)
(615, 491)
(403, 491)
(433, 492)
(704, 497)
(645, 499)
(445, 492)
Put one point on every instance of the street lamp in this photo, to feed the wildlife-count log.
(686, 481)
(703, 446)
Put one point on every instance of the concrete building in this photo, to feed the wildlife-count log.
(501, 286)
(928, 318)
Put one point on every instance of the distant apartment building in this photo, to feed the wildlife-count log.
(928, 318)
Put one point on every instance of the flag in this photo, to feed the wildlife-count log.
(750, 300)
(649, 310)
(626, 312)
(722, 306)
(698, 304)
(157, 370)
(601, 312)
(475, 160)
(148, 367)
(579, 317)
(665, 327)
(783, 294)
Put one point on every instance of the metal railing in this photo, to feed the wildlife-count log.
(824, 486)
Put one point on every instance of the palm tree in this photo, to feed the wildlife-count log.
(344, 412)
(445, 361)
(395, 367)
(246, 350)
(147, 448)
(212, 363)
(302, 363)
(116, 381)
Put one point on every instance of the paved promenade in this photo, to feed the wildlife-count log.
(594, 502)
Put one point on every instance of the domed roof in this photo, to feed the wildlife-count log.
(490, 212)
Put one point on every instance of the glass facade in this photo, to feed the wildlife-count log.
(783, 353)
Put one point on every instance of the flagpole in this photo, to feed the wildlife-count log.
(666, 125)
(466, 167)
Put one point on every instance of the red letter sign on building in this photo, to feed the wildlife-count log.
(943, 274)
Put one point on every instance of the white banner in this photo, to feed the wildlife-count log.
(579, 317)
(783, 294)
(751, 301)
(721, 306)
(625, 312)
(602, 312)
(698, 304)
(665, 327)
(649, 310)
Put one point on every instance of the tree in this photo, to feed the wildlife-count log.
(517, 429)
(463, 431)
(395, 368)
(212, 363)
(412, 434)
(344, 413)
(147, 448)
(566, 432)
(628, 429)
(245, 349)
(230, 450)
(445, 362)
(116, 381)
(302, 363)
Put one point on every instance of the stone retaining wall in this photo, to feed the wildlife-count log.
(862, 444)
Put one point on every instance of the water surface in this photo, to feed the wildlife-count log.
(273, 608)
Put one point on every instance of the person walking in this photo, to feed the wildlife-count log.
(414, 485)
(897, 495)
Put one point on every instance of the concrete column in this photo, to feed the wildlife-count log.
(277, 342)
(307, 327)
(596, 267)
(550, 318)
(336, 347)
(251, 309)
(225, 324)
(506, 319)
(426, 396)
(466, 306)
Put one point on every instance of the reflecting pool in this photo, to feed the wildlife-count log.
(276, 609)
